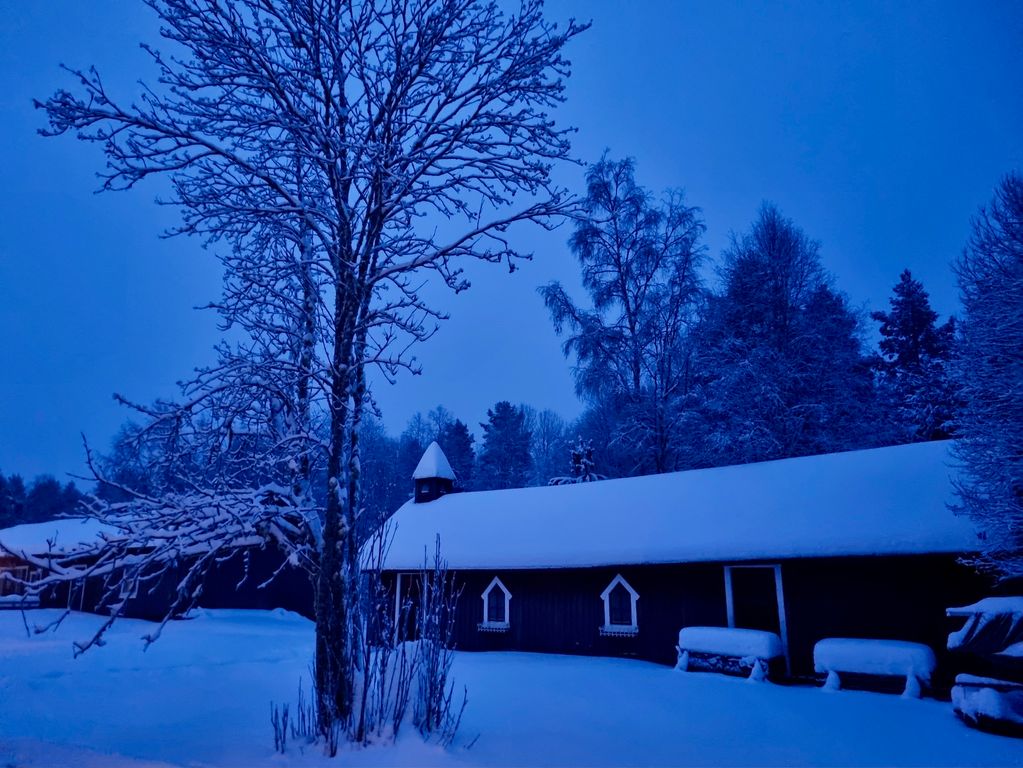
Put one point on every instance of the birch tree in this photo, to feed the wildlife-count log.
(341, 148)
(640, 262)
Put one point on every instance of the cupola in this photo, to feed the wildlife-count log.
(433, 476)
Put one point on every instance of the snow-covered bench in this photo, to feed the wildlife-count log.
(18, 602)
(989, 703)
(884, 658)
(726, 649)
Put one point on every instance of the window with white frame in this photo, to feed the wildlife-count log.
(128, 589)
(496, 608)
(619, 608)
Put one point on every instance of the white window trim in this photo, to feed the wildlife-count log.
(779, 592)
(619, 630)
(495, 626)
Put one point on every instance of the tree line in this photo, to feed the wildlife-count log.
(41, 500)
(674, 374)
(769, 363)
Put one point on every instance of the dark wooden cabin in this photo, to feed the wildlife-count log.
(857, 544)
(252, 577)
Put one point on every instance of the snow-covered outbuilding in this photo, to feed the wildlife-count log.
(856, 544)
(26, 549)
(251, 578)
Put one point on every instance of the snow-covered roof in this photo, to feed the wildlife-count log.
(433, 464)
(881, 501)
(65, 534)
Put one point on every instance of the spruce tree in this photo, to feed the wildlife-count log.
(457, 444)
(505, 461)
(912, 369)
(582, 465)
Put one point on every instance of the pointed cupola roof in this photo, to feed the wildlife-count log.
(433, 464)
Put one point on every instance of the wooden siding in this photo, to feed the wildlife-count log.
(560, 610)
(233, 583)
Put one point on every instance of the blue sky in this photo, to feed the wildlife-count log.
(878, 127)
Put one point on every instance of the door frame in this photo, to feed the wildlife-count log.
(397, 598)
(779, 590)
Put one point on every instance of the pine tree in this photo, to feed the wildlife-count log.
(989, 425)
(912, 370)
(505, 461)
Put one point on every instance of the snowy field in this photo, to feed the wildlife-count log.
(201, 696)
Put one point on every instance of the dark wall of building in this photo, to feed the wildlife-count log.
(236, 582)
(560, 610)
(232, 583)
(899, 598)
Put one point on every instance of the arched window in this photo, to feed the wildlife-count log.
(496, 613)
(619, 608)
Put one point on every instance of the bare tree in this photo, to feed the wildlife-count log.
(366, 141)
(548, 443)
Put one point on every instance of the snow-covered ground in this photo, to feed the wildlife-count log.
(201, 696)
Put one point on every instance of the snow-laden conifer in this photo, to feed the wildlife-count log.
(989, 427)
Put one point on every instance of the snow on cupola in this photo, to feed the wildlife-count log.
(433, 476)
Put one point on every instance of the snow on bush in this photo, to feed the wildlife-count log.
(728, 641)
(835, 655)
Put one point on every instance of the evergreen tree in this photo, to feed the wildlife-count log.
(45, 500)
(912, 370)
(457, 443)
(6, 511)
(781, 353)
(16, 499)
(412, 443)
(383, 489)
(989, 425)
(582, 465)
(505, 461)
(71, 499)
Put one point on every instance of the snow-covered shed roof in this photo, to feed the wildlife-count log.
(433, 464)
(54, 536)
(882, 501)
